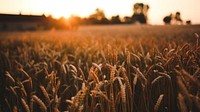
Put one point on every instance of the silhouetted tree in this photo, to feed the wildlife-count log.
(167, 19)
(93, 21)
(178, 18)
(115, 19)
(97, 18)
(99, 14)
(104, 21)
(128, 20)
(188, 22)
(140, 13)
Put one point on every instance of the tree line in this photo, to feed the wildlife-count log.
(98, 17)
(175, 19)
(139, 16)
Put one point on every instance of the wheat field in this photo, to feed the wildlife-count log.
(119, 68)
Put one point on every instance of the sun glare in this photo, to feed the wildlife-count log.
(66, 8)
(63, 8)
(56, 9)
(83, 8)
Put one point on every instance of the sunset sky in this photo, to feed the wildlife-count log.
(158, 8)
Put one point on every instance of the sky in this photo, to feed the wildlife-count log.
(158, 8)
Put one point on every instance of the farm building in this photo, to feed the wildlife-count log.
(11, 22)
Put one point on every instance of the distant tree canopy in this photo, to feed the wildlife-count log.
(115, 19)
(140, 13)
(167, 19)
(173, 19)
(97, 18)
(99, 14)
(178, 18)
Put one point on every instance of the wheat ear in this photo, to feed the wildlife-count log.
(26, 107)
(40, 103)
(158, 102)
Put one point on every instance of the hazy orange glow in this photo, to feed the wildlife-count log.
(158, 8)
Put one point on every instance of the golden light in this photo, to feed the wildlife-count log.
(83, 8)
(63, 8)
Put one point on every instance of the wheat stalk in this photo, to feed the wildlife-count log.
(23, 91)
(126, 80)
(182, 104)
(24, 104)
(190, 78)
(46, 96)
(139, 73)
(31, 104)
(196, 101)
(95, 77)
(73, 68)
(10, 77)
(158, 102)
(156, 79)
(79, 98)
(24, 72)
(112, 98)
(40, 103)
(136, 57)
(184, 91)
(123, 90)
(101, 94)
(97, 66)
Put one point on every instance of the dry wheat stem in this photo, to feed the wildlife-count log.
(46, 96)
(40, 103)
(182, 104)
(26, 107)
(158, 102)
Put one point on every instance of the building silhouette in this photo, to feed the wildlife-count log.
(11, 22)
